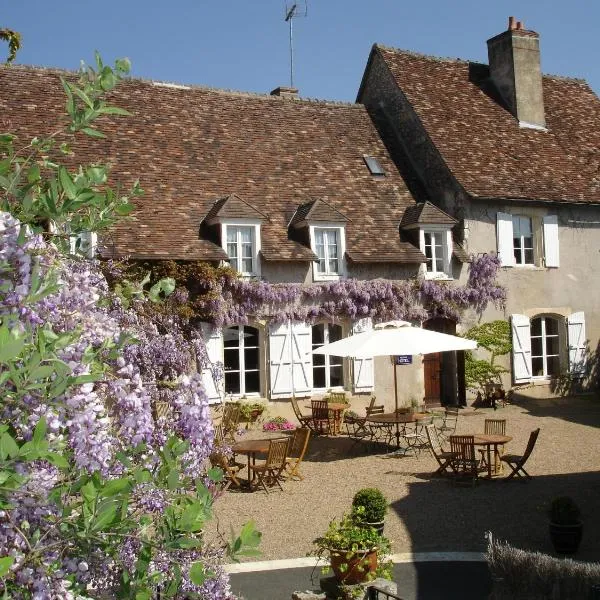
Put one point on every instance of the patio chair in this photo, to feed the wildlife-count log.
(444, 459)
(229, 467)
(517, 462)
(270, 472)
(465, 463)
(492, 426)
(380, 432)
(231, 418)
(320, 417)
(297, 449)
(219, 436)
(304, 420)
(337, 397)
(448, 425)
(356, 426)
(416, 437)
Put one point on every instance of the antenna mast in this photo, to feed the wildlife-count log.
(292, 11)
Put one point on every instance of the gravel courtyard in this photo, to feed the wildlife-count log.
(428, 513)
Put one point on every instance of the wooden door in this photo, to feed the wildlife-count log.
(432, 368)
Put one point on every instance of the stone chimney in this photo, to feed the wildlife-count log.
(285, 92)
(514, 57)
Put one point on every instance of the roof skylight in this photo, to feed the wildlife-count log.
(373, 165)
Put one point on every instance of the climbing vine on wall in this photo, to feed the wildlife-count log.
(217, 295)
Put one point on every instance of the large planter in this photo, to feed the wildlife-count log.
(566, 538)
(378, 526)
(350, 568)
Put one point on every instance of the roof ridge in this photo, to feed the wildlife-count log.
(471, 62)
(193, 86)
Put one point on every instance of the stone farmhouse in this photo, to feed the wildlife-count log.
(438, 160)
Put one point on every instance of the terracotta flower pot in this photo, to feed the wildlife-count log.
(350, 568)
(565, 538)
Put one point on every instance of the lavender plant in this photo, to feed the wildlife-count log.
(96, 492)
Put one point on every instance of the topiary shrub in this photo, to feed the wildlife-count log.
(370, 505)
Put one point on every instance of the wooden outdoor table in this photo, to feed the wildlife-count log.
(336, 409)
(251, 448)
(397, 419)
(488, 440)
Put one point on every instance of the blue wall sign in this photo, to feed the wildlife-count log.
(403, 359)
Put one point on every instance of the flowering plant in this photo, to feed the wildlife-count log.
(278, 424)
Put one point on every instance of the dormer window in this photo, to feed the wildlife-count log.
(241, 241)
(327, 247)
(436, 245)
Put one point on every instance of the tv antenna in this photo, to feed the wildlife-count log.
(293, 10)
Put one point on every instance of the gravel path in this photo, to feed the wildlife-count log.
(429, 513)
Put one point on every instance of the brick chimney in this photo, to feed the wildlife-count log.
(285, 92)
(514, 57)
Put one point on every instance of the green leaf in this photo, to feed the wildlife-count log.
(123, 65)
(58, 460)
(106, 515)
(197, 573)
(6, 563)
(67, 183)
(173, 479)
(8, 447)
(33, 174)
(83, 96)
(215, 474)
(116, 486)
(92, 132)
(11, 344)
(113, 110)
(89, 491)
(40, 372)
(39, 433)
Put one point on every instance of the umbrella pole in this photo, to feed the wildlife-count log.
(396, 405)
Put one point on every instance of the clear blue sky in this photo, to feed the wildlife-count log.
(243, 45)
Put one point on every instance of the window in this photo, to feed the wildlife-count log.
(527, 240)
(241, 360)
(327, 249)
(436, 245)
(241, 241)
(522, 240)
(545, 347)
(374, 166)
(328, 371)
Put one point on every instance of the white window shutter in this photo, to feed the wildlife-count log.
(212, 373)
(302, 364)
(521, 341)
(551, 253)
(448, 253)
(577, 343)
(280, 360)
(504, 233)
(363, 368)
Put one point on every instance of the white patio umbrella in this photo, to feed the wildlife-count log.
(395, 338)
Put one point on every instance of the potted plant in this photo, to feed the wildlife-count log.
(278, 424)
(250, 411)
(369, 506)
(354, 550)
(565, 526)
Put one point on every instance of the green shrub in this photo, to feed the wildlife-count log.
(373, 503)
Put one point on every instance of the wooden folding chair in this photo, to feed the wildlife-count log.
(320, 417)
(229, 467)
(304, 420)
(492, 427)
(270, 472)
(517, 462)
(297, 449)
(444, 459)
(231, 418)
(465, 463)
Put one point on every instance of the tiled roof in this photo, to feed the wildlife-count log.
(316, 211)
(482, 143)
(190, 146)
(426, 213)
(460, 253)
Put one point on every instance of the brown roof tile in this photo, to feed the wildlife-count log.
(426, 213)
(232, 207)
(316, 211)
(190, 146)
(482, 143)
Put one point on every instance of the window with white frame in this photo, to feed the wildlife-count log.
(436, 245)
(241, 241)
(328, 371)
(527, 240)
(328, 244)
(241, 360)
(545, 347)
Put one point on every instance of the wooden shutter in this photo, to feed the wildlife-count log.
(302, 375)
(551, 253)
(212, 373)
(521, 341)
(448, 252)
(504, 233)
(577, 343)
(363, 375)
(280, 360)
